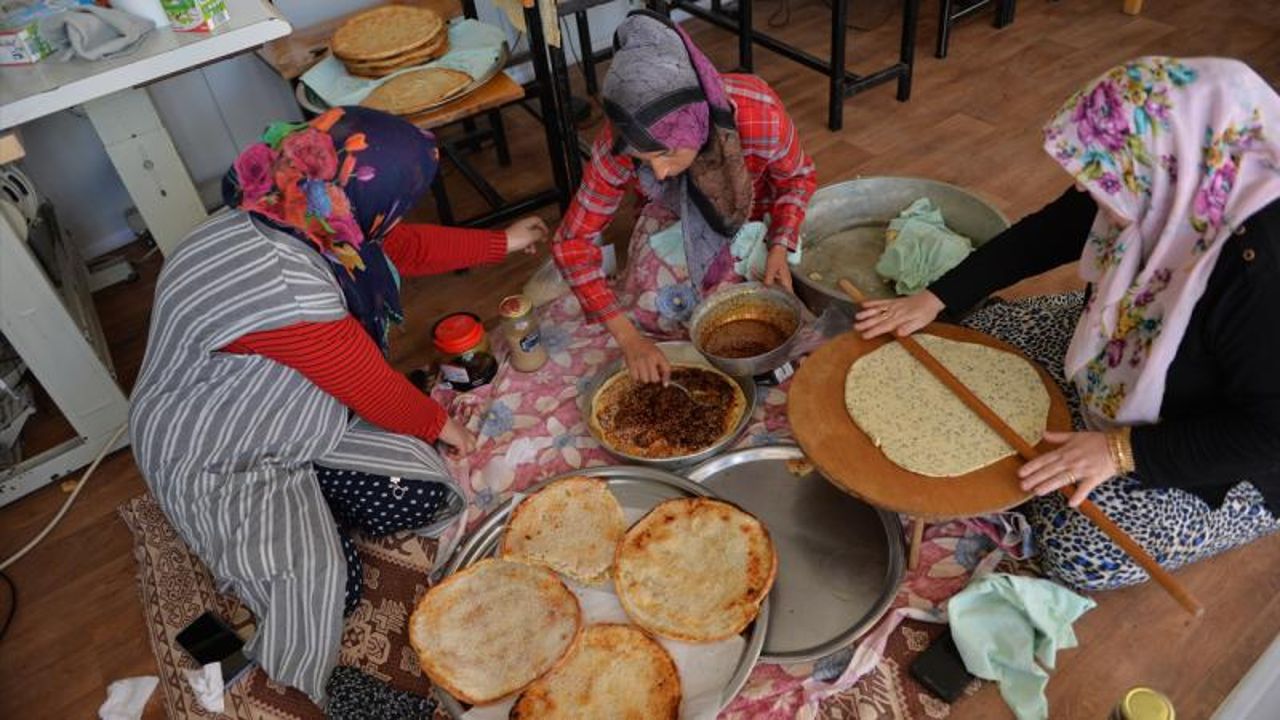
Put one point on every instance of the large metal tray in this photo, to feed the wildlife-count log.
(840, 561)
(635, 487)
(683, 353)
(844, 227)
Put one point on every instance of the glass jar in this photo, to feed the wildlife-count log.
(468, 362)
(1142, 703)
(520, 329)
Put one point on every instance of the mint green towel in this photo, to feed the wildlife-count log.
(919, 248)
(1003, 624)
(750, 251)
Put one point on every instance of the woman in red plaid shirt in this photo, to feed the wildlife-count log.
(707, 154)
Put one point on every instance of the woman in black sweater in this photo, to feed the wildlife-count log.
(1171, 349)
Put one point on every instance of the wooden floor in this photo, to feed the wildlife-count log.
(974, 120)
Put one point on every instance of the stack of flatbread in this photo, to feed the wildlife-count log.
(395, 40)
(693, 569)
(383, 40)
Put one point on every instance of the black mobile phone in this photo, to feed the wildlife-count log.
(941, 670)
(208, 639)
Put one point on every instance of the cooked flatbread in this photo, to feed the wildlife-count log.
(614, 672)
(649, 421)
(386, 32)
(493, 628)
(922, 426)
(695, 569)
(416, 90)
(382, 68)
(571, 526)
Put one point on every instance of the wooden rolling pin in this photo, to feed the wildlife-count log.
(1088, 508)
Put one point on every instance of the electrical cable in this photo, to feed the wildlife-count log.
(66, 505)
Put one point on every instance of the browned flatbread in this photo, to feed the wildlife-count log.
(572, 526)
(650, 421)
(416, 90)
(613, 671)
(386, 32)
(695, 569)
(382, 68)
(490, 630)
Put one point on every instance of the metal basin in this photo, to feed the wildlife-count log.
(680, 353)
(760, 317)
(843, 232)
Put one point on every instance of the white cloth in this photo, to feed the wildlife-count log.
(208, 687)
(127, 698)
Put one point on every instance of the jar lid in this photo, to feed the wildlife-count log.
(458, 333)
(1142, 703)
(514, 306)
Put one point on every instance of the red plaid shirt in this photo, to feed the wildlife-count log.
(782, 174)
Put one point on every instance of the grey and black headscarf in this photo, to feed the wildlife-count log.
(662, 93)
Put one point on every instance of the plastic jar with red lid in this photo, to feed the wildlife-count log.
(468, 362)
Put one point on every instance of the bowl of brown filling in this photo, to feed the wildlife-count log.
(747, 329)
(670, 426)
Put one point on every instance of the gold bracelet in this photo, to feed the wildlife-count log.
(1121, 449)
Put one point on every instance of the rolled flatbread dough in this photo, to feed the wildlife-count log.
(921, 426)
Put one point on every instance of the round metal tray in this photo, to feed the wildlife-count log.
(682, 353)
(840, 561)
(635, 487)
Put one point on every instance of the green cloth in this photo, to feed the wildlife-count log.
(1003, 624)
(750, 251)
(920, 248)
(748, 248)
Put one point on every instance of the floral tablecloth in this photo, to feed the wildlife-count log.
(529, 427)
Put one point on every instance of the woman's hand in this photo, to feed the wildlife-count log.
(458, 438)
(645, 362)
(776, 268)
(900, 316)
(1084, 459)
(525, 233)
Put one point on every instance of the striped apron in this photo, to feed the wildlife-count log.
(226, 442)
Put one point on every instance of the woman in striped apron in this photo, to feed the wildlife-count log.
(266, 418)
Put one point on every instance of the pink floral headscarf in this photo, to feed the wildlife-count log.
(1182, 151)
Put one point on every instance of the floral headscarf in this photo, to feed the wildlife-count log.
(1183, 152)
(340, 182)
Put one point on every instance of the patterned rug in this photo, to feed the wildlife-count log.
(176, 588)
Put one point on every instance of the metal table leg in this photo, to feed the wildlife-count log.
(550, 104)
(588, 54)
(907, 55)
(836, 73)
(745, 29)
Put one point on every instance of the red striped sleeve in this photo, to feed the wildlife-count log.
(341, 359)
(419, 249)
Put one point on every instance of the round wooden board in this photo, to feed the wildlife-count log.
(847, 457)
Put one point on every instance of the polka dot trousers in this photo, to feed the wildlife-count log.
(376, 505)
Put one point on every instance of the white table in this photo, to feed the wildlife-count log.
(55, 329)
(124, 117)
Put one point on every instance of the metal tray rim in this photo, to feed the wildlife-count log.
(484, 539)
(748, 386)
(894, 573)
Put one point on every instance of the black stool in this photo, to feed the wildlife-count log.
(949, 11)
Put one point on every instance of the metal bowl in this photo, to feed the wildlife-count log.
(747, 301)
(843, 232)
(680, 353)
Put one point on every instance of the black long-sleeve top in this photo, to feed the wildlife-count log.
(1220, 416)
